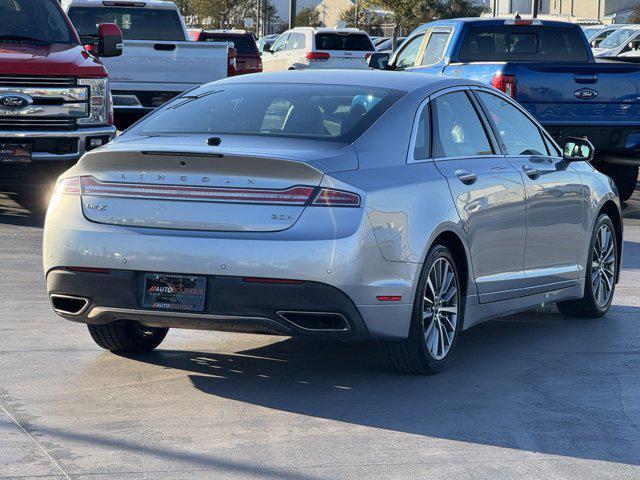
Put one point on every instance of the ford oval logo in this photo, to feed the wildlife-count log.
(585, 93)
(15, 101)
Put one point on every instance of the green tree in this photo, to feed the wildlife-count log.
(635, 16)
(368, 19)
(308, 17)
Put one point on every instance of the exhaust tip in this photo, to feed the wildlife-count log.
(68, 304)
(316, 321)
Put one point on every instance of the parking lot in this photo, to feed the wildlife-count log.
(529, 396)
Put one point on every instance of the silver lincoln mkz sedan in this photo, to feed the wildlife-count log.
(352, 205)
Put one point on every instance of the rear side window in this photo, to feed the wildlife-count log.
(524, 43)
(244, 44)
(519, 134)
(434, 51)
(296, 41)
(423, 133)
(136, 23)
(358, 42)
(323, 112)
(458, 131)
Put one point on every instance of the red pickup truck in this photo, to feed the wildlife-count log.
(54, 95)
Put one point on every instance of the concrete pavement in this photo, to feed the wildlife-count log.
(529, 396)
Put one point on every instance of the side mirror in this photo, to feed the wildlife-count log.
(109, 40)
(594, 44)
(266, 48)
(578, 150)
(379, 61)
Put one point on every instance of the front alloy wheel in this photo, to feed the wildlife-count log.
(601, 278)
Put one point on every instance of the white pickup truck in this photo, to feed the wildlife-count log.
(158, 60)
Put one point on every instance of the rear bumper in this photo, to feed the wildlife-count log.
(231, 305)
(44, 142)
(342, 269)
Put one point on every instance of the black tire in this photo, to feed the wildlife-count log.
(127, 336)
(588, 305)
(412, 355)
(625, 177)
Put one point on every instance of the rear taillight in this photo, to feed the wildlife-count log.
(318, 56)
(327, 197)
(505, 83)
(231, 67)
(69, 186)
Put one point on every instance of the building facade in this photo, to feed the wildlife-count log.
(605, 11)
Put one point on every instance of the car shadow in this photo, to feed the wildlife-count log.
(539, 383)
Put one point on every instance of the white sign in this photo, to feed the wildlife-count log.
(248, 23)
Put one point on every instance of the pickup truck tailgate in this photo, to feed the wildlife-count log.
(167, 66)
(595, 94)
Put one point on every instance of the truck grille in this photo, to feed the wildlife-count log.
(37, 123)
(28, 81)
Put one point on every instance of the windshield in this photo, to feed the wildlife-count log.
(33, 21)
(136, 23)
(617, 38)
(523, 43)
(322, 112)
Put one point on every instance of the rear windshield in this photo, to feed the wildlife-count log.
(244, 44)
(33, 21)
(321, 112)
(343, 41)
(523, 43)
(136, 23)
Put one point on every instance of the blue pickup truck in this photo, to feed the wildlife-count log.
(548, 67)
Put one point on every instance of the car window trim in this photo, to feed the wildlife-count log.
(546, 137)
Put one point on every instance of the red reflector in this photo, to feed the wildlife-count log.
(318, 56)
(292, 196)
(336, 198)
(272, 280)
(389, 298)
(89, 269)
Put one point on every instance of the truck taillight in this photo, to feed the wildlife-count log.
(231, 67)
(328, 197)
(505, 83)
(318, 56)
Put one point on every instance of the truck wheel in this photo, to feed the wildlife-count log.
(625, 178)
(127, 336)
(600, 283)
(437, 318)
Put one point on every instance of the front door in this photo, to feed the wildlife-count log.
(555, 203)
(488, 193)
(270, 60)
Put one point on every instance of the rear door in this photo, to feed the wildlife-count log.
(433, 55)
(555, 198)
(488, 193)
(347, 50)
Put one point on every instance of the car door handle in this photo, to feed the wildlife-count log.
(466, 177)
(532, 173)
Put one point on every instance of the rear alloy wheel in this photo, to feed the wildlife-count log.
(127, 336)
(600, 283)
(437, 317)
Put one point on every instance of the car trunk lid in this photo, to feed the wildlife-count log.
(191, 188)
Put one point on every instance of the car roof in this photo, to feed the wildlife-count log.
(491, 21)
(156, 4)
(326, 29)
(405, 81)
